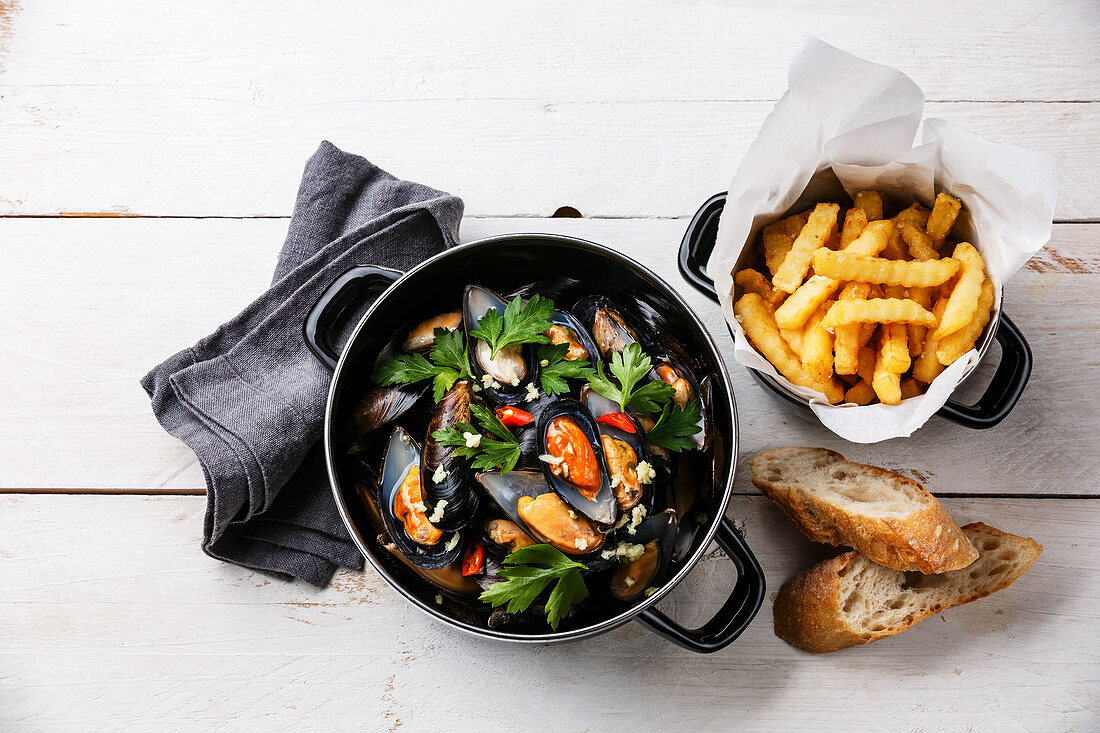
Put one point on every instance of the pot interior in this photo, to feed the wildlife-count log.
(564, 270)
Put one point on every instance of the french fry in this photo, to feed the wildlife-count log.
(861, 394)
(910, 388)
(862, 268)
(894, 349)
(927, 366)
(870, 203)
(954, 345)
(887, 384)
(778, 238)
(963, 301)
(866, 368)
(854, 222)
(918, 241)
(818, 227)
(878, 310)
(759, 326)
(915, 214)
(793, 337)
(944, 212)
(923, 296)
(866, 333)
(846, 338)
(817, 347)
(753, 282)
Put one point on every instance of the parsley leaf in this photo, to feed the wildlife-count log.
(675, 426)
(521, 323)
(454, 437)
(450, 361)
(449, 350)
(629, 367)
(489, 454)
(558, 369)
(523, 583)
(404, 368)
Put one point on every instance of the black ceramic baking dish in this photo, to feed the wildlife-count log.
(504, 263)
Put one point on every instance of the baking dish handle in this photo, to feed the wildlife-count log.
(698, 244)
(734, 615)
(1004, 389)
(351, 290)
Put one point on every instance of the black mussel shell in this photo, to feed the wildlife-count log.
(605, 320)
(422, 336)
(599, 406)
(381, 406)
(403, 454)
(632, 577)
(456, 486)
(578, 335)
(671, 370)
(448, 578)
(601, 508)
(519, 361)
(497, 549)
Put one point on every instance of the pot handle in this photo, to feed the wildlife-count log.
(1004, 389)
(698, 243)
(734, 615)
(358, 285)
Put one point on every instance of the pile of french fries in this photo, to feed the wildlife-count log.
(862, 308)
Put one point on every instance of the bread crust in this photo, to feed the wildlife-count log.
(927, 539)
(808, 610)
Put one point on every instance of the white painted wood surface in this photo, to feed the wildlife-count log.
(194, 119)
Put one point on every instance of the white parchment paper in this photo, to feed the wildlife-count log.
(850, 124)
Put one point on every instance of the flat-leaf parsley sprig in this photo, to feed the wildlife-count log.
(528, 571)
(488, 454)
(521, 323)
(554, 368)
(449, 362)
(630, 366)
(675, 426)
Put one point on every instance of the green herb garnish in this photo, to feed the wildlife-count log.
(526, 574)
(558, 368)
(450, 361)
(630, 366)
(489, 454)
(521, 323)
(675, 426)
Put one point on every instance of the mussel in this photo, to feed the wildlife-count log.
(446, 476)
(566, 329)
(504, 373)
(572, 460)
(379, 407)
(673, 372)
(406, 517)
(610, 329)
(505, 536)
(624, 450)
(448, 578)
(422, 335)
(644, 558)
(534, 507)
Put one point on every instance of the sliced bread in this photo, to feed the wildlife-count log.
(889, 518)
(850, 600)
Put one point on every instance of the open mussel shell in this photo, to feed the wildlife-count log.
(403, 456)
(633, 576)
(673, 372)
(422, 336)
(585, 486)
(455, 484)
(381, 406)
(527, 500)
(611, 330)
(513, 367)
(502, 536)
(567, 328)
(448, 578)
(623, 450)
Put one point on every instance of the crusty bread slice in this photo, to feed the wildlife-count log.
(889, 518)
(850, 600)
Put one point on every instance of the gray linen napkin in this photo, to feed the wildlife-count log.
(250, 398)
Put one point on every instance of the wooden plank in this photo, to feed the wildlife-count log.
(101, 634)
(88, 305)
(199, 154)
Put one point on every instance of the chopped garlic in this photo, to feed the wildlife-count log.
(420, 507)
(625, 550)
(614, 482)
(439, 475)
(476, 387)
(473, 440)
(572, 514)
(439, 599)
(650, 591)
(514, 382)
(580, 543)
(487, 380)
(452, 542)
(646, 474)
(544, 362)
(438, 513)
(552, 460)
(532, 392)
(629, 581)
(637, 514)
(404, 437)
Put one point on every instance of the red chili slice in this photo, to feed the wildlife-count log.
(514, 417)
(474, 559)
(618, 420)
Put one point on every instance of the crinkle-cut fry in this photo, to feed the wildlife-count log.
(944, 212)
(854, 223)
(964, 296)
(870, 202)
(846, 338)
(817, 347)
(910, 388)
(915, 214)
(954, 345)
(927, 366)
(865, 269)
(866, 333)
(759, 326)
(820, 225)
(916, 333)
(753, 282)
(886, 383)
(778, 238)
(866, 368)
(878, 310)
(894, 349)
(918, 241)
(861, 394)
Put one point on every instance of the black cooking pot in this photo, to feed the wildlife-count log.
(503, 264)
(1000, 396)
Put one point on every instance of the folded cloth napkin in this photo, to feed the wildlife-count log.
(250, 398)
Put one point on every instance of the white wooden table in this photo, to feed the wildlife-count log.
(175, 134)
